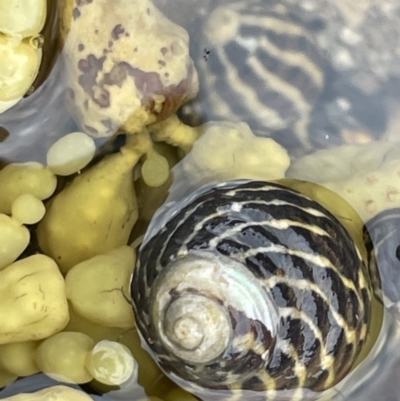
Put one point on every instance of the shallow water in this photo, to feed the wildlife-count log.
(349, 95)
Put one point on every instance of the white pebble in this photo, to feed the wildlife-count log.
(111, 363)
(71, 153)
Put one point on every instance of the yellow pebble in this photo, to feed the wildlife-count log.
(6, 378)
(28, 209)
(155, 170)
(22, 17)
(25, 178)
(98, 288)
(19, 358)
(63, 357)
(14, 238)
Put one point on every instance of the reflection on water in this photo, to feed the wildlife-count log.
(36, 121)
(376, 378)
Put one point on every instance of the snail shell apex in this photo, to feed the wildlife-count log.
(274, 247)
(208, 285)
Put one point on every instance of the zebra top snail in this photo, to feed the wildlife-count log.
(262, 62)
(252, 287)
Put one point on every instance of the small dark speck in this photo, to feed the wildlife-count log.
(96, 31)
(110, 43)
(135, 49)
(164, 51)
(107, 123)
(206, 53)
(81, 47)
(91, 129)
(162, 63)
(117, 31)
(166, 74)
(70, 93)
(127, 34)
(76, 13)
(148, 11)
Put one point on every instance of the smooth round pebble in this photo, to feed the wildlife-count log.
(28, 209)
(71, 153)
(155, 170)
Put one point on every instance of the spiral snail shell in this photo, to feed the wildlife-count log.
(268, 63)
(262, 66)
(251, 285)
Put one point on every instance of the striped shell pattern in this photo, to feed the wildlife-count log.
(263, 67)
(264, 63)
(283, 292)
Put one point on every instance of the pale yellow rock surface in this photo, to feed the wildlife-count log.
(63, 357)
(33, 304)
(28, 209)
(20, 48)
(20, 70)
(55, 393)
(127, 65)
(98, 288)
(19, 358)
(7, 378)
(25, 178)
(14, 238)
(228, 151)
(22, 18)
(95, 213)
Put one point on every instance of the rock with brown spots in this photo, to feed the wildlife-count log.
(127, 65)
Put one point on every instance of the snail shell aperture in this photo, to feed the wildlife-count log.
(252, 286)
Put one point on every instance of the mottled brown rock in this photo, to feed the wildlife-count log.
(127, 65)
